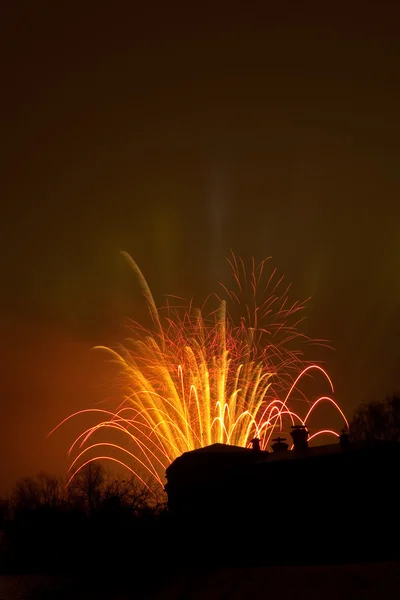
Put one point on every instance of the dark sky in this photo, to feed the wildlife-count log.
(178, 133)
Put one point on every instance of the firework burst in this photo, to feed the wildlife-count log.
(223, 373)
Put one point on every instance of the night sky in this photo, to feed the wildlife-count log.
(178, 134)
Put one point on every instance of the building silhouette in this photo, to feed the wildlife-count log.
(334, 502)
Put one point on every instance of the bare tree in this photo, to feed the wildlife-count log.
(133, 495)
(43, 490)
(88, 486)
(379, 420)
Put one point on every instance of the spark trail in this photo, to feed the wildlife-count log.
(199, 376)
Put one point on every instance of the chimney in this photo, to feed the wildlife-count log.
(280, 445)
(256, 444)
(344, 440)
(299, 435)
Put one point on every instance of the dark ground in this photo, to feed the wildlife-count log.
(376, 580)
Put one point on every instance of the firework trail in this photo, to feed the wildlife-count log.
(199, 376)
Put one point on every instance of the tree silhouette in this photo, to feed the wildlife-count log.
(42, 490)
(46, 524)
(378, 420)
(87, 486)
(131, 495)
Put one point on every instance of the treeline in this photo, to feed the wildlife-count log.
(97, 520)
(100, 521)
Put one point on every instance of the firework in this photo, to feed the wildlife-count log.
(226, 372)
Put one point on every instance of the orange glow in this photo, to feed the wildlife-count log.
(199, 378)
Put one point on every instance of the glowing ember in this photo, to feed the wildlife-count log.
(201, 377)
